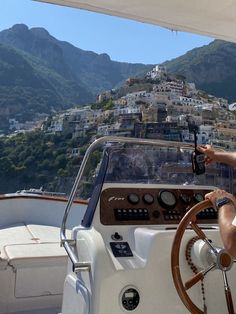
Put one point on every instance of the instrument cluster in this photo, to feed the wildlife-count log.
(151, 206)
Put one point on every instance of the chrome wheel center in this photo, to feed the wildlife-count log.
(224, 260)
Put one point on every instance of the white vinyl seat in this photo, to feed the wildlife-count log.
(32, 262)
(21, 241)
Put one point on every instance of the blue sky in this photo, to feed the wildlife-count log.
(121, 39)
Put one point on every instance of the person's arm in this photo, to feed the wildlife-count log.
(226, 215)
(213, 155)
(227, 230)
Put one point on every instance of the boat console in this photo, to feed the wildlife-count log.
(125, 257)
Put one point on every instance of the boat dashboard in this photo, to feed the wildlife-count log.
(138, 199)
(163, 205)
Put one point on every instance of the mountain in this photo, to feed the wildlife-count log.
(40, 74)
(212, 68)
(28, 86)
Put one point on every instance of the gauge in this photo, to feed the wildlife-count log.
(199, 197)
(148, 199)
(133, 198)
(185, 198)
(167, 199)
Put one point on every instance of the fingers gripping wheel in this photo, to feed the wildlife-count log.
(222, 260)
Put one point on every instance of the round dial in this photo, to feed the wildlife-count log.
(148, 199)
(167, 199)
(185, 198)
(199, 197)
(133, 198)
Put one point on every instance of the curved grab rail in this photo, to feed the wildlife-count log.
(70, 243)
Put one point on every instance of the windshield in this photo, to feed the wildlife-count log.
(163, 165)
(132, 163)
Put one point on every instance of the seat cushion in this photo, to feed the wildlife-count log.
(35, 255)
(21, 242)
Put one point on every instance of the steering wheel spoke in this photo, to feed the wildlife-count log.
(198, 231)
(202, 235)
(228, 294)
(199, 276)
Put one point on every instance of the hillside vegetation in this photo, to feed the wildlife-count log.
(36, 159)
(40, 74)
(212, 68)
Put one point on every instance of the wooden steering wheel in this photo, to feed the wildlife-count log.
(223, 260)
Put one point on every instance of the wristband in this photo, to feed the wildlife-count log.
(222, 201)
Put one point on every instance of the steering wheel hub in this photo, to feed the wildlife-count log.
(224, 260)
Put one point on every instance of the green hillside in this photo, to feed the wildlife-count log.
(40, 74)
(212, 68)
(28, 87)
(34, 160)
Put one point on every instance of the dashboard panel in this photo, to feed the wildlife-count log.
(152, 206)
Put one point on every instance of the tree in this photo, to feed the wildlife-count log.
(62, 173)
(6, 166)
(60, 161)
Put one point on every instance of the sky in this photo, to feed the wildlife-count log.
(123, 40)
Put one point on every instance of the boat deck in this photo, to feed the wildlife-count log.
(33, 264)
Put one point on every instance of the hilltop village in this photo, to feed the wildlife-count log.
(158, 105)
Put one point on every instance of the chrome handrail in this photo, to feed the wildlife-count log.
(69, 244)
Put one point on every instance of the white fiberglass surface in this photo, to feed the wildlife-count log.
(148, 271)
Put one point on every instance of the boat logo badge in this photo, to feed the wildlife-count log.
(113, 198)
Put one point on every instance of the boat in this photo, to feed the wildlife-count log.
(143, 240)
(40, 191)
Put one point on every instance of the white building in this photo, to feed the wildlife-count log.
(14, 124)
(106, 129)
(131, 98)
(120, 110)
(170, 88)
(157, 72)
(205, 134)
(190, 101)
(56, 124)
